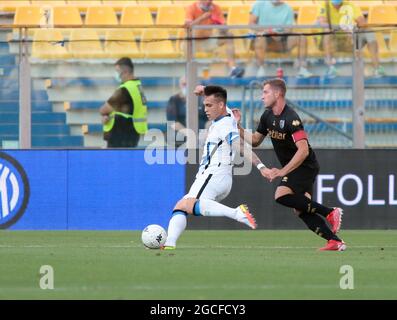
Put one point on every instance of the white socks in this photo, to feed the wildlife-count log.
(175, 228)
(211, 208)
(208, 208)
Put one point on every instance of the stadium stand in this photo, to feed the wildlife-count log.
(49, 44)
(382, 14)
(28, 16)
(154, 5)
(11, 6)
(79, 68)
(121, 43)
(85, 43)
(67, 15)
(158, 49)
(48, 3)
(104, 16)
(136, 15)
(83, 5)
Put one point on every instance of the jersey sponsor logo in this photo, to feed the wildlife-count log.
(282, 123)
(274, 134)
(14, 191)
(296, 123)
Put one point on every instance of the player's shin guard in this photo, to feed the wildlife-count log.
(175, 228)
(211, 208)
(318, 225)
(302, 203)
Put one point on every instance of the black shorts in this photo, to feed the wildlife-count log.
(277, 46)
(300, 180)
(272, 45)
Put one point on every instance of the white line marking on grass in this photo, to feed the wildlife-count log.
(5, 246)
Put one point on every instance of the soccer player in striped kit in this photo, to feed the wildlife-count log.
(214, 178)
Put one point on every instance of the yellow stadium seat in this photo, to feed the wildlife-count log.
(136, 16)
(48, 3)
(307, 15)
(297, 4)
(238, 15)
(11, 6)
(153, 48)
(171, 15)
(225, 4)
(101, 15)
(153, 5)
(82, 5)
(48, 44)
(119, 5)
(382, 15)
(84, 43)
(183, 3)
(121, 43)
(365, 5)
(67, 16)
(28, 16)
(313, 49)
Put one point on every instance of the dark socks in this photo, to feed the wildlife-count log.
(318, 225)
(303, 204)
(311, 213)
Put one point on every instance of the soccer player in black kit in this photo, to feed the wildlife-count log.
(299, 164)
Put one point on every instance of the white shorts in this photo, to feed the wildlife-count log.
(211, 186)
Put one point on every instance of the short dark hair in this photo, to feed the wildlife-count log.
(126, 63)
(277, 84)
(216, 91)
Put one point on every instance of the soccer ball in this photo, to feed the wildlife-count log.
(154, 236)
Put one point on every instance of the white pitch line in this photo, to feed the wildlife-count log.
(5, 246)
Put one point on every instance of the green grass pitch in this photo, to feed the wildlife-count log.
(206, 265)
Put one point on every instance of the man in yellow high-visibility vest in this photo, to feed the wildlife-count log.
(124, 115)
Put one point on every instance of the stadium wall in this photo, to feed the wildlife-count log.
(362, 182)
(123, 190)
(86, 190)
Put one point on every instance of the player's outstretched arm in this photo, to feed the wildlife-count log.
(199, 90)
(245, 150)
(300, 156)
(254, 139)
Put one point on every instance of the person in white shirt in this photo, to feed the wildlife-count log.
(214, 178)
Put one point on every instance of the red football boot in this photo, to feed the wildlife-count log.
(334, 245)
(335, 219)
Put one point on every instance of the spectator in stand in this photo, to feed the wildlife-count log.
(277, 13)
(341, 13)
(205, 12)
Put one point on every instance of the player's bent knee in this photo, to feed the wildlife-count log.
(185, 205)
